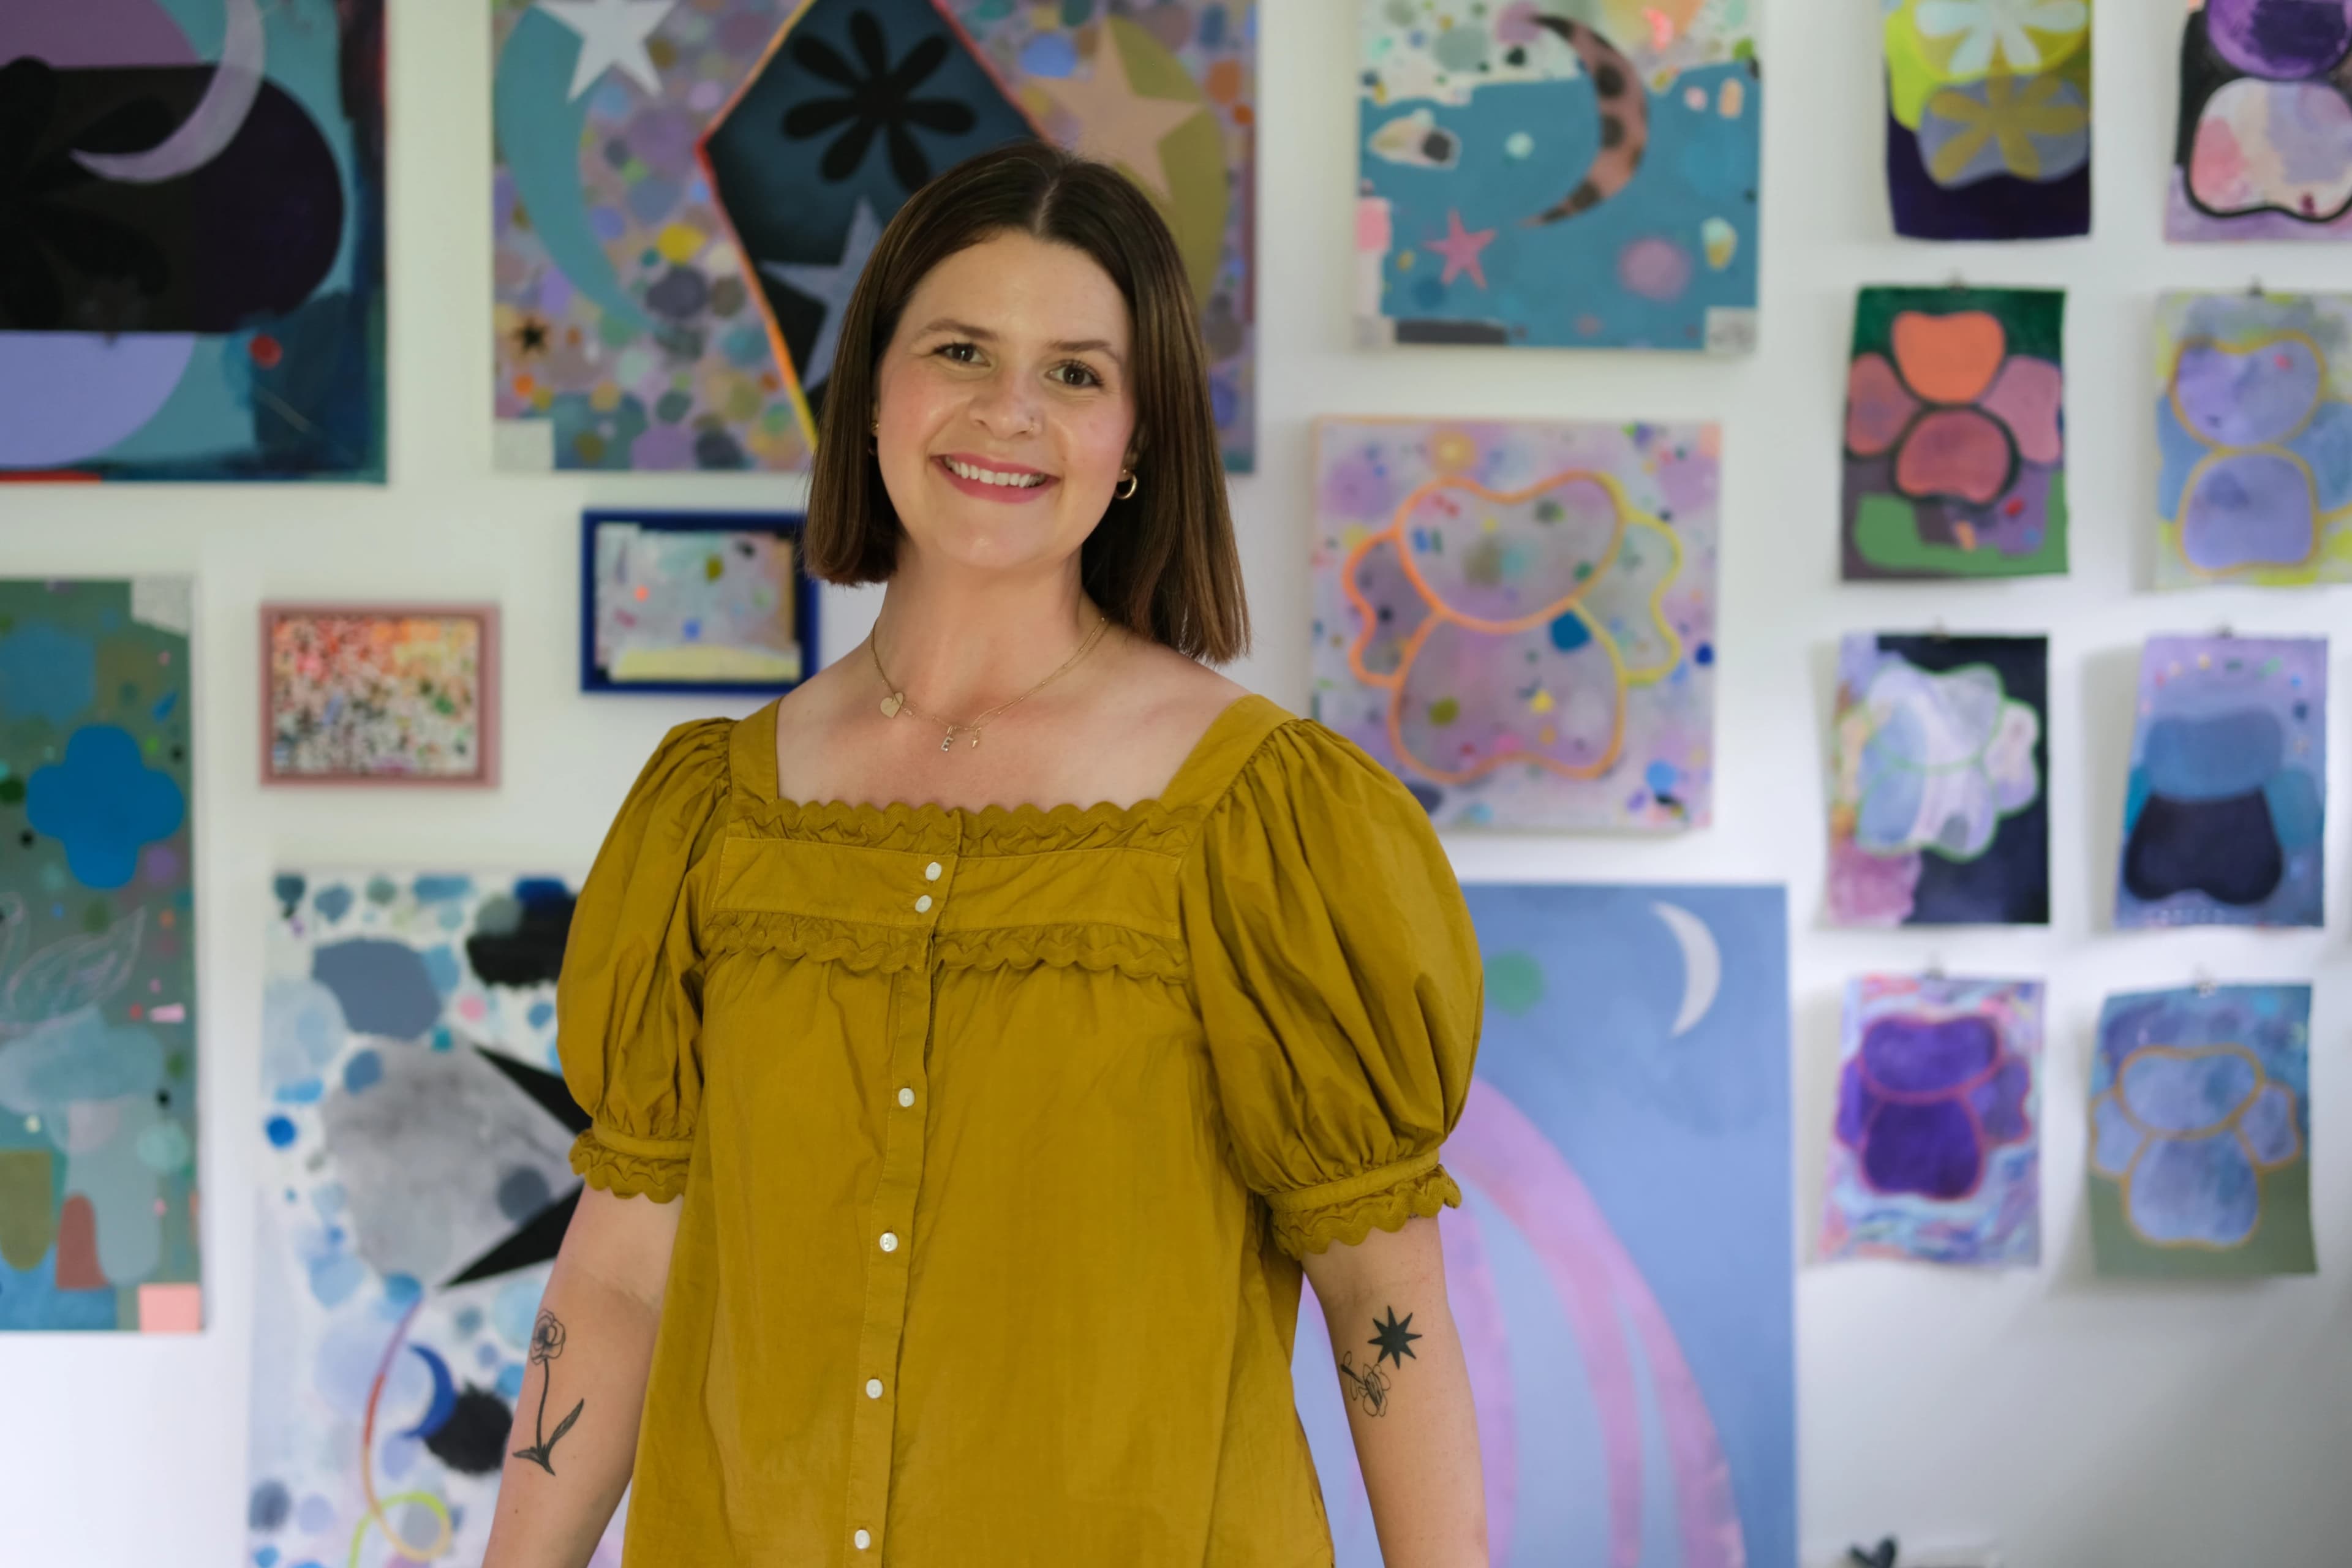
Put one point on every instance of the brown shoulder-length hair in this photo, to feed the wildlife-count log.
(1161, 564)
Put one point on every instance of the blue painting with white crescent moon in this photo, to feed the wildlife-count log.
(192, 267)
(415, 1140)
(1620, 1270)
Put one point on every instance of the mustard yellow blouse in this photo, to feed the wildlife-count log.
(1000, 1134)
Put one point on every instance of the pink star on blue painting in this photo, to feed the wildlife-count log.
(1461, 248)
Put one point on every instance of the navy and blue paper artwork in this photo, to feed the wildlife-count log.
(2229, 784)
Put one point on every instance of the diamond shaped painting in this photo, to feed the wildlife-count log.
(686, 195)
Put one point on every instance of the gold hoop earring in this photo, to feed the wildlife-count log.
(1128, 493)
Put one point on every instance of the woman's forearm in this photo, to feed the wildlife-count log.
(1400, 1370)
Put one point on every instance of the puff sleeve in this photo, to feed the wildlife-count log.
(1340, 984)
(629, 1001)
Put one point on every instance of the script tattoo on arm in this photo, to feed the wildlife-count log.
(1370, 1384)
(546, 1344)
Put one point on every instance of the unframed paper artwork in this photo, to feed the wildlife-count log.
(1530, 179)
(1619, 1270)
(1937, 814)
(1519, 619)
(1955, 435)
(701, 608)
(1936, 1152)
(194, 287)
(2200, 1133)
(98, 974)
(391, 695)
(2254, 431)
(2228, 795)
(1988, 117)
(415, 1183)
(686, 195)
(2265, 146)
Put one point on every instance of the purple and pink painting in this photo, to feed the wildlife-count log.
(2265, 146)
(1935, 1151)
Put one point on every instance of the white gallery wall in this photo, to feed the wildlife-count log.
(2071, 1420)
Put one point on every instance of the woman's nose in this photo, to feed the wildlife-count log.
(1006, 406)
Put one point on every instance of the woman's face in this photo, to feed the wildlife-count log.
(1005, 410)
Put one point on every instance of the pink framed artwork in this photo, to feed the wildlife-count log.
(379, 694)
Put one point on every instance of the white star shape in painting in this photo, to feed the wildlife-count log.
(612, 33)
(831, 287)
(1115, 122)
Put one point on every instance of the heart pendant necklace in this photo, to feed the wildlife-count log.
(896, 703)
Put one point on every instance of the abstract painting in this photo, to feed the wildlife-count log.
(192, 270)
(1955, 435)
(1531, 178)
(1519, 619)
(1988, 117)
(1935, 1153)
(98, 971)
(686, 195)
(1939, 813)
(2200, 1133)
(414, 1148)
(2227, 801)
(1619, 1270)
(2254, 431)
(379, 694)
(2264, 148)
(708, 601)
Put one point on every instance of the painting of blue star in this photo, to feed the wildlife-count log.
(191, 262)
(98, 974)
(1530, 180)
(686, 195)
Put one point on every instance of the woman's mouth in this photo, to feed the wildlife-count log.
(993, 481)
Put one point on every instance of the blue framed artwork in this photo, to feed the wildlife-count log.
(695, 602)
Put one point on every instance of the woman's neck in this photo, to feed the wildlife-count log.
(959, 641)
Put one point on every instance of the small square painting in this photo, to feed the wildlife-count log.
(379, 694)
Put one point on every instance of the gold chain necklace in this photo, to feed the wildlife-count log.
(897, 702)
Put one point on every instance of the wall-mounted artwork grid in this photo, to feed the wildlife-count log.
(686, 601)
(2265, 146)
(404, 694)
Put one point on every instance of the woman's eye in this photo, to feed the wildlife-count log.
(1075, 375)
(962, 353)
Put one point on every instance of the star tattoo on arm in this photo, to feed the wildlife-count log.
(1395, 1343)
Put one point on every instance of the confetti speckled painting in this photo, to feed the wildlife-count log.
(1936, 1153)
(98, 1009)
(1519, 619)
(415, 1182)
(686, 195)
(1988, 117)
(1580, 177)
(379, 694)
(2265, 146)
(695, 602)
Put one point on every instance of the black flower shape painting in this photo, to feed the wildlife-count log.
(877, 99)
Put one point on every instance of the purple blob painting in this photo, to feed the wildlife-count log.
(2265, 146)
(1935, 1155)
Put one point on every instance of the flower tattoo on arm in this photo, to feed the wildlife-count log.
(546, 1344)
(1369, 1383)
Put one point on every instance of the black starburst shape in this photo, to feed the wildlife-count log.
(1395, 1342)
(877, 99)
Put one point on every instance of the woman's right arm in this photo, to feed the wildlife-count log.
(575, 1430)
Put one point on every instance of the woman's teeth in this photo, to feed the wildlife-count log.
(990, 477)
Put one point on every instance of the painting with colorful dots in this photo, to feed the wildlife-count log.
(98, 973)
(2227, 804)
(708, 602)
(2200, 1134)
(1938, 809)
(1519, 619)
(415, 1141)
(1619, 1270)
(1526, 179)
(1988, 117)
(1936, 1152)
(686, 195)
(388, 694)
(2253, 430)
(191, 272)
(1955, 435)
(2265, 146)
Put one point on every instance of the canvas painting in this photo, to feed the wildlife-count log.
(685, 195)
(2200, 1133)
(2253, 427)
(1988, 117)
(2264, 147)
(710, 601)
(98, 971)
(2227, 804)
(1519, 619)
(1936, 1153)
(1955, 435)
(1557, 176)
(1619, 1270)
(414, 1148)
(1938, 813)
(194, 282)
(379, 694)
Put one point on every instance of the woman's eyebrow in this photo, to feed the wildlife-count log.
(982, 335)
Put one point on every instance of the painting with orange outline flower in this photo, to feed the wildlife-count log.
(1520, 618)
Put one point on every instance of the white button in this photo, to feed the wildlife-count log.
(863, 1540)
(906, 1096)
(922, 903)
(889, 1241)
(931, 872)
(873, 1388)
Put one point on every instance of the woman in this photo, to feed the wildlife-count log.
(954, 1164)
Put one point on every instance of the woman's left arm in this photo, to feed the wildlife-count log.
(1399, 1366)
